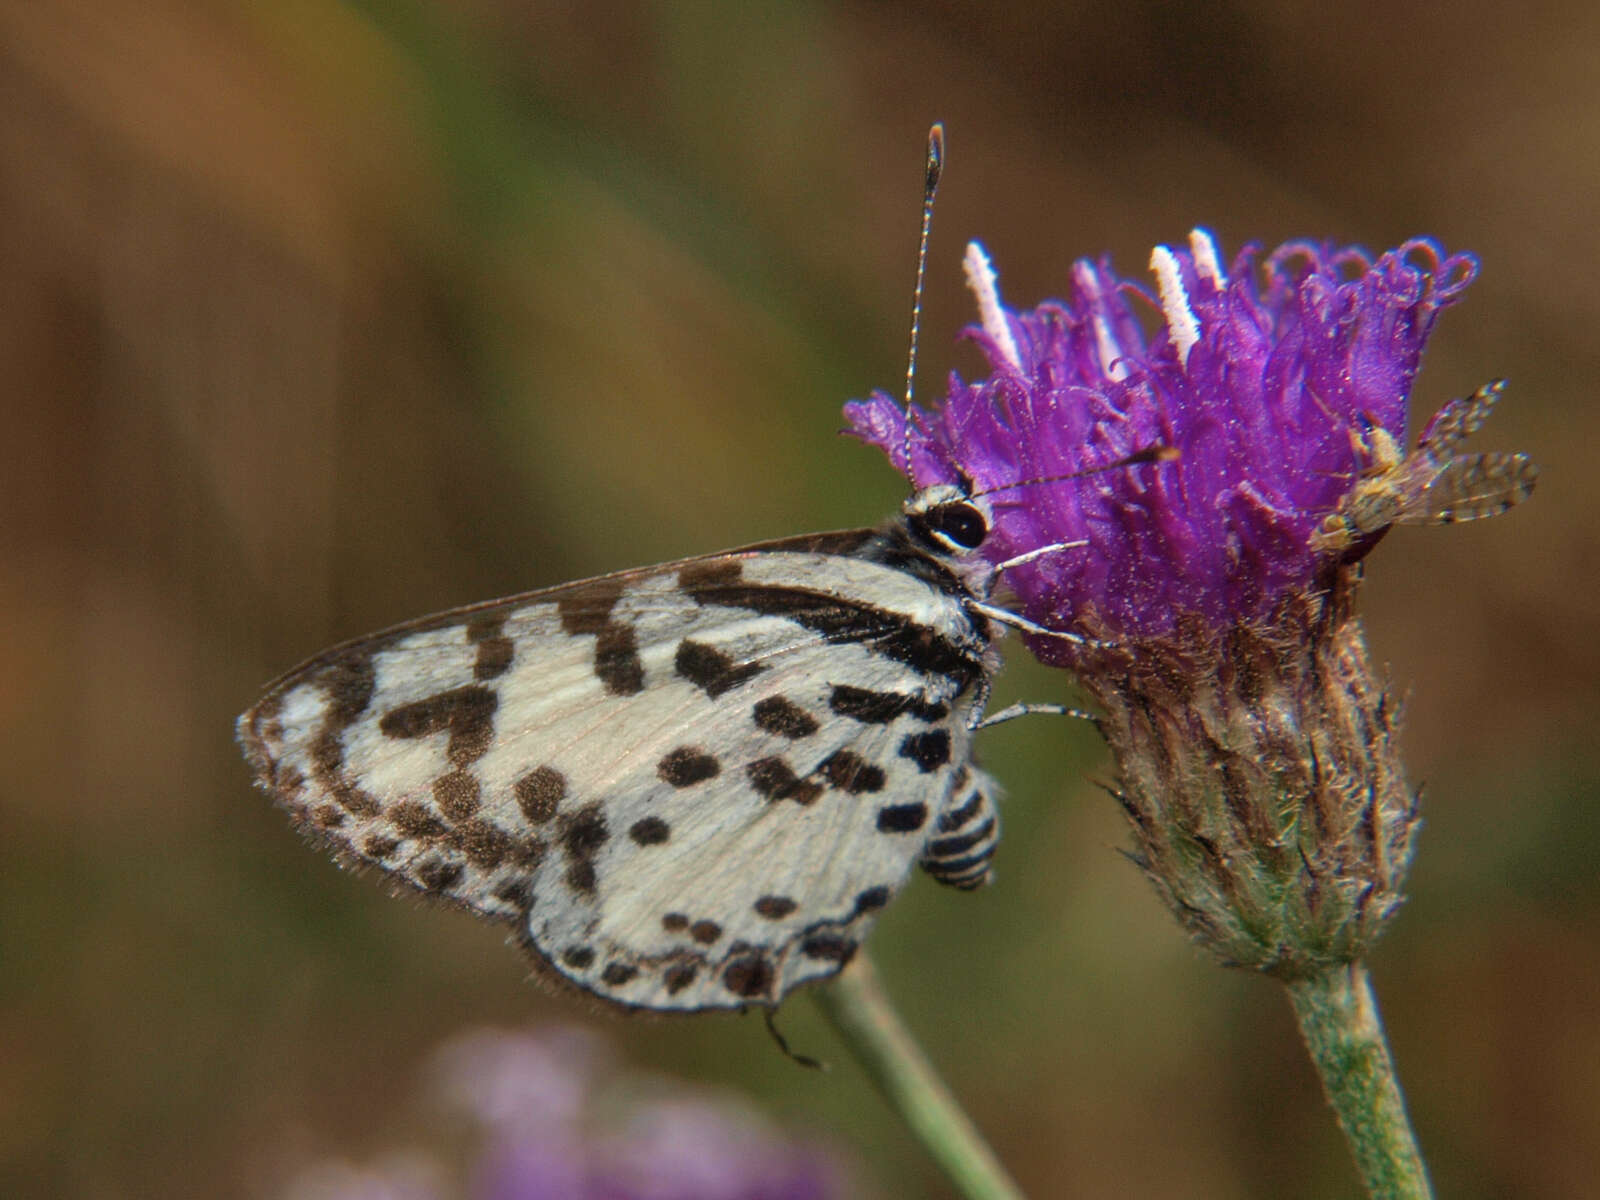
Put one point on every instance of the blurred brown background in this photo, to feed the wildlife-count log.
(318, 316)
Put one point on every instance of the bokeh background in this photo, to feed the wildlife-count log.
(318, 316)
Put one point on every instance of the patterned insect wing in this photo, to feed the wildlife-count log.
(687, 787)
(1431, 485)
(1460, 419)
(1472, 486)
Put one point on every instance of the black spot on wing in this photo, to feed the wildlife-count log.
(879, 708)
(495, 650)
(347, 680)
(828, 947)
(583, 833)
(780, 715)
(650, 831)
(466, 712)
(439, 876)
(586, 607)
(929, 750)
(708, 573)
(750, 976)
(582, 877)
(775, 908)
(711, 670)
(871, 899)
(617, 662)
(518, 893)
(579, 958)
(486, 845)
(456, 794)
(539, 793)
(687, 766)
(851, 773)
(416, 822)
(902, 818)
(776, 780)
(679, 976)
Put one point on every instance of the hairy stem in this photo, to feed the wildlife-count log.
(1338, 1016)
(860, 1010)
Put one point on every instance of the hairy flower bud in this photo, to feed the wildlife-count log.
(1260, 772)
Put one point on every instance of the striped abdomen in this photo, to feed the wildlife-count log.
(965, 837)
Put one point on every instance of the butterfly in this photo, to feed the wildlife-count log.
(691, 786)
(686, 787)
(1432, 485)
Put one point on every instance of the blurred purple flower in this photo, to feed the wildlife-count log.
(692, 1150)
(408, 1177)
(1258, 374)
(556, 1120)
(517, 1083)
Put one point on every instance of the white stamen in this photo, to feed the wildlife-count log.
(1106, 345)
(1181, 324)
(985, 285)
(1207, 263)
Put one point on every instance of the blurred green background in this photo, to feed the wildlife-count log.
(319, 316)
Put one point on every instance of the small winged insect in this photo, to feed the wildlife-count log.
(1432, 485)
(687, 787)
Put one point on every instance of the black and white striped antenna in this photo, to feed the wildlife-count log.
(932, 169)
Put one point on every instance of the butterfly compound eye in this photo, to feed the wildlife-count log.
(961, 523)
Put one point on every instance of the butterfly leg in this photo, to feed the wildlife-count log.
(1013, 620)
(1024, 709)
(1053, 548)
(980, 702)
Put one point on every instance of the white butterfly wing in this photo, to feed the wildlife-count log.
(690, 786)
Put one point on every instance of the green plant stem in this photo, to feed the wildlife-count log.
(860, 1010)
(1338, 1016)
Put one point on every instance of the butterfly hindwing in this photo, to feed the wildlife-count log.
(690, 786)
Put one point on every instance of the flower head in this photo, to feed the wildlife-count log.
(1264, 375)
(1255, 743)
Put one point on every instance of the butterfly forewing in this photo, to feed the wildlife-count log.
(691, 786)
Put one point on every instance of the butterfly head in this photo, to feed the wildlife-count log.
(947, 519)
(948, 523)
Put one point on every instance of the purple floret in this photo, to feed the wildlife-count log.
(1266, 378)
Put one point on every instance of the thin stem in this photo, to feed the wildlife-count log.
(860, 1010)
(1338, 1016)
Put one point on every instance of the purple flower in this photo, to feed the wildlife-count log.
(1213, 596)
(1266, 376)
